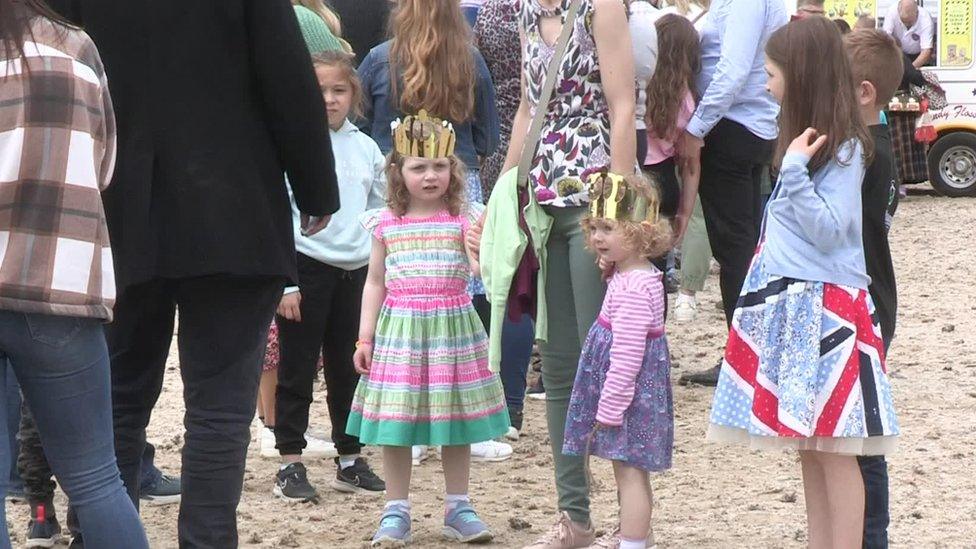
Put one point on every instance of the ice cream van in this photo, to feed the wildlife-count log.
(952, 156)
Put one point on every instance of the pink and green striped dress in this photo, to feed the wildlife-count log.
(429, 382)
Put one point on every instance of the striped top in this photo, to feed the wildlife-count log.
(425, 257)
(633, 309)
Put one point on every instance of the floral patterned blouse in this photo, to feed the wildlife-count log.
(575, 138)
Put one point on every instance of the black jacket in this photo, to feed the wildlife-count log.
(215, 100)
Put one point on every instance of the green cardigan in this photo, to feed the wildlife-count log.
(316, 33)
(502, 246)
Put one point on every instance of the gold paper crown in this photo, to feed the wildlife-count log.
(611, 197)
(423, 136)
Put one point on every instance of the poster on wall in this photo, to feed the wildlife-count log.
(850, 10)
(956, 33)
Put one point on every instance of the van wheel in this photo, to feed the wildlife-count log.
(952, 164)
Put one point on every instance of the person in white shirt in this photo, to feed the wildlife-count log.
(913, 29)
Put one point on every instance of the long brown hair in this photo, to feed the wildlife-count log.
(819, 89)
(679, 62)
(431, 59)
(15, 25)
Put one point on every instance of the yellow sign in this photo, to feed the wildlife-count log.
(850, 10)
(956, 33)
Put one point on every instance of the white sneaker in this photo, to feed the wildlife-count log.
(685, 308)
(418, 454)
(490, 450)
(266, 438)
(512, 434)
(316, 447)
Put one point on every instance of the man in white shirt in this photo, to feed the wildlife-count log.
(913, 28)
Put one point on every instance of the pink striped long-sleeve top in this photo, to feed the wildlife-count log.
(633, 309)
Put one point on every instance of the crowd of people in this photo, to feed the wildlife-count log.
(415, 196)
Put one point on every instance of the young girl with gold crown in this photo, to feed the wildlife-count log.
(422, 350)
(621, 408)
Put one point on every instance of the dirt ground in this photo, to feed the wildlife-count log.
(714, 496)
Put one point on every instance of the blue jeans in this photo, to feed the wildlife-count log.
(16, 484)
(471, 15)
(517, 339)
(62, 365)
(874, 470)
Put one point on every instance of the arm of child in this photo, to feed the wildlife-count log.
(374, 293)
(632, 319)
(824, 208)
(690, 175)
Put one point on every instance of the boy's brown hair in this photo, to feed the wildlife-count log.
(875, 58)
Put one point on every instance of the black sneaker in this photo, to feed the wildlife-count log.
(46, 533)
(165, 491)
(358, 479)
(291, 484)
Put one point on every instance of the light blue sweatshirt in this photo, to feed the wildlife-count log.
(813, 225)
(362, 186)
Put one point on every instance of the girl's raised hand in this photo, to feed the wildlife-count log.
(363, 359)
(807, 143)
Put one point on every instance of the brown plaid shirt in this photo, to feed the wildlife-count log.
(57, 152)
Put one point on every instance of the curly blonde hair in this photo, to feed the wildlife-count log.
(650, 240)
(398, 197)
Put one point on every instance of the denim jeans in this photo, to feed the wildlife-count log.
(874, 471)
(470, 14)
(517, 340)
(16, 484)
(62, 365)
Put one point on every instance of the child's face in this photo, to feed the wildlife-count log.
(337, 91)
(609, 242)
(427, 179)
(775, 81)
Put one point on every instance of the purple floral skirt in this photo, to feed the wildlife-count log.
(646, 438)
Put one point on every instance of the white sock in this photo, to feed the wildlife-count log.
(451, 501)
(632, 544)
(346, 462)
(285, 465)
(401, 503)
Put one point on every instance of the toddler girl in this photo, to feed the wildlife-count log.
(422, 349)
(620, 408)
(804, 364)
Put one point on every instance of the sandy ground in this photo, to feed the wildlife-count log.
(714, 496)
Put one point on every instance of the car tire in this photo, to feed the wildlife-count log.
(952, 164)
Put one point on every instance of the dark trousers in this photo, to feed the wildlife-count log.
(224, 323)
(874, 470)
(732, 164)
(330, 307)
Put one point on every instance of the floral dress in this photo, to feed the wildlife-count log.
(575, 138)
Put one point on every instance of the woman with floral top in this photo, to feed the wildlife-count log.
(589, 126)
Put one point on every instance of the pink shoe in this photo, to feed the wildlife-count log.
(565, 534)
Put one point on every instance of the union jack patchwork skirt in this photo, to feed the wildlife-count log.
(804, 368)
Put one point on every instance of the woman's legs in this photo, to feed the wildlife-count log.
(574, 294)
(696, 254)
(815, 495)
(63, 367)
(635, 499)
